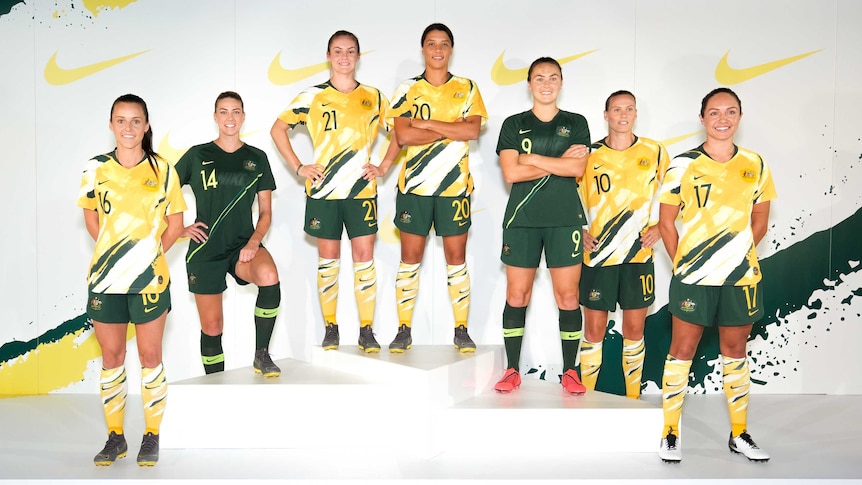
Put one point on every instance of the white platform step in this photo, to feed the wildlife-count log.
(431, 397)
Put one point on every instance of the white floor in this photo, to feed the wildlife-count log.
(811, 438)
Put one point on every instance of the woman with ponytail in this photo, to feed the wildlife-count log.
(134, 212)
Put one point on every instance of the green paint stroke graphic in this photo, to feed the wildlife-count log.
(790, 277)
(15, 348)
(6, 6)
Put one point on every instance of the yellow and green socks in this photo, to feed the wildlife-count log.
(633, 366)
(458, 282)
(591, 363)
(365, 289)
(406, 290)
(113, 390)
(154, 393)
(327, 288)
(737, 382)
(673, 388)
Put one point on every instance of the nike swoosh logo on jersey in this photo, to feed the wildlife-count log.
(208, 162)
(697, 177)
(56, 75)
(596, 167)
(372, 224)
(148, 310)
(417, 97)
(281, 76)
(725, 74)
(461, 223)
(575, 255)
(521, 132)
(100, 182)
(751, 313)
(504, 76)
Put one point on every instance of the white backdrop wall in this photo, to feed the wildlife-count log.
(800, 114)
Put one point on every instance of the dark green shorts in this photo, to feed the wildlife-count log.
(715, 305)
(415, 214)
(522, 246)
(208, 277)
(632, 285)
(128, 308)
(325, 218)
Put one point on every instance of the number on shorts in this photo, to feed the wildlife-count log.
(750, 296)
(647, 284)
(462, 209)
(209, 181)
(527, 145)
(370, 209)
(576, 239)
(149, 298)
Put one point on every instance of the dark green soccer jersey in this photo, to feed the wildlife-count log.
(550, 201)
(225, 185)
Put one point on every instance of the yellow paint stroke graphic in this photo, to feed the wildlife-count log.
(676, 139)
(54, 364)
(727, 75)
(281, 76)
(58, 76)
(96, 6)
(387, 232)
(504, 76)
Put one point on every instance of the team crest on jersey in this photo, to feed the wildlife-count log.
(96, 304)
(687, 305)
(314, 224)
(405, 218)
(507, 251)
(458, 95)
(249, 165)
(595, 295)
(193, 279)
(366, 103)
(748, 176)
(563, 131)
(151, 185)
(644, 164)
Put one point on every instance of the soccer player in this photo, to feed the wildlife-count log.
(435, 115)
(133, 209)
(225, 175)
(722, 193)
(542, 151)
(343, 118)
(619, 188)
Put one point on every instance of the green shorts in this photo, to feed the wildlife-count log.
(715, 305)
(414, 214)
(128, 308)
(522, 246)
(325, 218)
(632, 285)
(208, 277)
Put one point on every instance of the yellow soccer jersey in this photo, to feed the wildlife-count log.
(132, 205)
(440, 168)
(619, 189)
(343, 127)
(716, 244)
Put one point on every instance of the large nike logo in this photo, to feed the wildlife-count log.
(727, 75)
(57, 75)
(504, 76)
(676, 139)
(281, 76)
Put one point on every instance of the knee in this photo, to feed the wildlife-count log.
(150, 358)
(517, 298)
(567, 300)
(212, 326)
(113, 358)
(266, 276)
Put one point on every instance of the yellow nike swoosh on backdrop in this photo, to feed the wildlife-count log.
(57, 75)
(671, 141)
(172, 154)
(281, 76)
(727, 75)
(504, 76)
